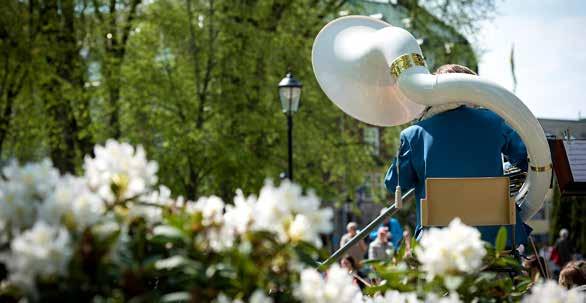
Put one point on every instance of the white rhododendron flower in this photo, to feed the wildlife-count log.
(220, 237)
(300, 230)
(152, 210)
(274, 206)
(551, 292)
(119, 165)
(293, 216)
(395, 297)
(58, 201)
(38, 177)
(39, 252)
(23, 190)
(307, 227)
(16, 209)
(220, 234)
(451, 250)
(222, 298)
(337, 287)
(259, 296)
(282, 210)
(211, 208)
(311, 286)
(36, 191)
(73, 199)
(321, 220)
(239, 217)
(87, 209)
(452, 298)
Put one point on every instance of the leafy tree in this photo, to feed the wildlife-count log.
(113, 26)
(218, 64)
(194, 81)
(61, 84)
(44, 70)
(15, 52)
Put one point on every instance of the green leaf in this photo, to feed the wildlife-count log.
(413, 243)
(307, 253)
(401, 253)
(170, 263)
(168, 232)
(181, 296)
(501, 239)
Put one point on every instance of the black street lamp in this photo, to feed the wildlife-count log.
(290, 94)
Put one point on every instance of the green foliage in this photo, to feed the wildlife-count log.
(501, 239)
(434, 32)
(221, 118)
(465, 15)
(192, 81)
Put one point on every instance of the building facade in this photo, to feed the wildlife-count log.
(573, 132)
(564, 129)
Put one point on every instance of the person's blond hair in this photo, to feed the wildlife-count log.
(454, 69)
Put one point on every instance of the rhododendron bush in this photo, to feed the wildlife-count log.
(114, 234)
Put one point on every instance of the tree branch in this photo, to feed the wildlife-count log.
(97, 10)
(6, 72)
(203, 92)
(15, 89)
(128, 25)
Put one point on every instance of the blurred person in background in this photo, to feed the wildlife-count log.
(534, 269)
(573, 275)
(562, 253)
(394, 227)
(357, 250)
(381, 248)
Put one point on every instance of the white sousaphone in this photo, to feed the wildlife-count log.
(376, 73)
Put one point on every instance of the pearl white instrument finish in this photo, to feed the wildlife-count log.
(349, 65)
(376, 73)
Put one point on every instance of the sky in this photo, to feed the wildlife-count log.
(550, 54)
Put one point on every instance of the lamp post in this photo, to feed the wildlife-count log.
(290, 94)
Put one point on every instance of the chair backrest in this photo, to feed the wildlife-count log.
(476, 201)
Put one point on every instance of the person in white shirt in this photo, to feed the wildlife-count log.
(381, 248)
(358, 250)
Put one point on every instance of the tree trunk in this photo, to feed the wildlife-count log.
(64, 87)
(115, 46)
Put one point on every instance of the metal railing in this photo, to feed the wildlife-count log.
(364, 232)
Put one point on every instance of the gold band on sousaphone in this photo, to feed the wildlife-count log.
(541, 168)
(405, 62)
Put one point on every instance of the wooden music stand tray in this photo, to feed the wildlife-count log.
(476, 201)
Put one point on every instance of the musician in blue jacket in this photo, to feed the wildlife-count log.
(457, 141)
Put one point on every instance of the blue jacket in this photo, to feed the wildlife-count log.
(464, 142)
